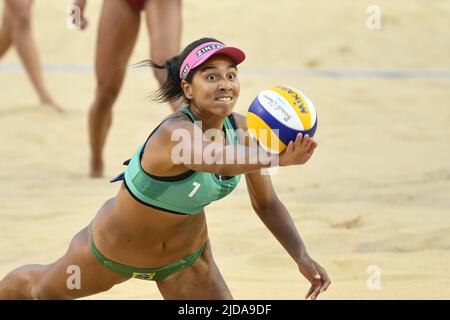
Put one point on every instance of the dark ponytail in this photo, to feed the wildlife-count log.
(171, 89)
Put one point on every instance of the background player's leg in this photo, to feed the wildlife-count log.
(117, 33)
(164, 23)
(19, 13)
(5, 32)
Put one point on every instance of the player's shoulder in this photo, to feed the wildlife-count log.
(175, 121)
(171, 124)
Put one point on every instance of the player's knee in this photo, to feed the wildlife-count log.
(160, 75)
(21, 20)
(42, 285)
(42, 292)
(36, 292)
(44, 289)
(106, 95)
(25, 281)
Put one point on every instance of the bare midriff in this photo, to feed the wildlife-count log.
(131, 233)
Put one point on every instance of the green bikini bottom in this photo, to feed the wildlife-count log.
(154, 274)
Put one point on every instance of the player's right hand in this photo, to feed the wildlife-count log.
(298, 151)
(315, 274)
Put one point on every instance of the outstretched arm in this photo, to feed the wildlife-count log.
(182, 143)
(277, 219)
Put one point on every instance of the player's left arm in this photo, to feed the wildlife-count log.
(277, 219)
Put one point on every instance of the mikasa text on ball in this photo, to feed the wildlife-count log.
(278, 114)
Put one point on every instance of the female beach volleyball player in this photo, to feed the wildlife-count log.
(155, 227)
(16, 30)
(117, 33)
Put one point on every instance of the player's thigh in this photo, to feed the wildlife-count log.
(202, 280)
(163, 18)
(5, 25)
(117, 33)
(19, 10)
(77, 274)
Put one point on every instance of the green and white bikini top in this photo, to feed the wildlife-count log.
(187, 193)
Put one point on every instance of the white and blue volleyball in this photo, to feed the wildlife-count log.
(278, 114)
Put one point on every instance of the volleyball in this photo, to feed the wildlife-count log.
(278, 114)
